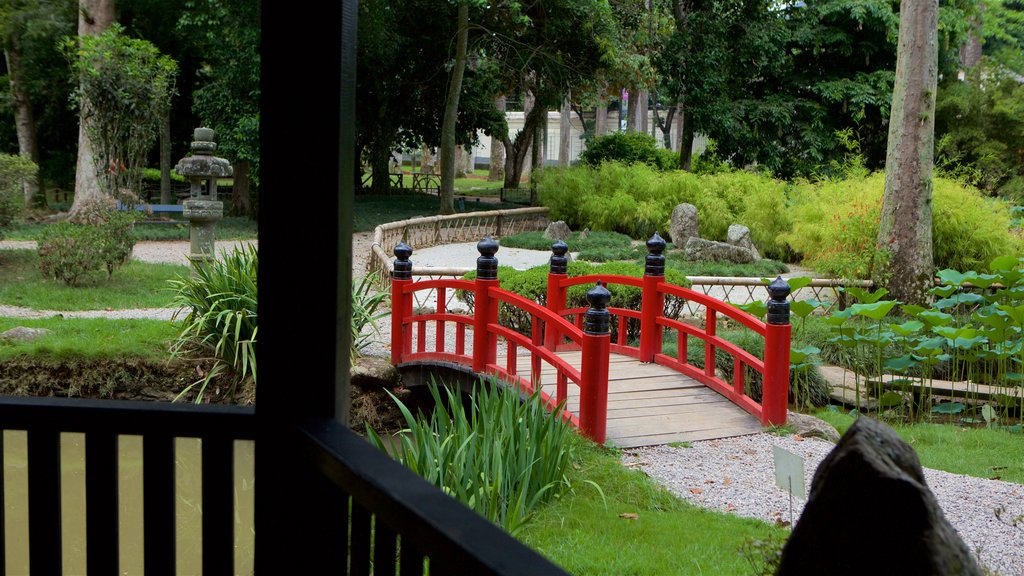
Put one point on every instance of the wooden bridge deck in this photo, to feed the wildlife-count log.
(650, 404)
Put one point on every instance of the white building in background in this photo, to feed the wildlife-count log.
(481, 154)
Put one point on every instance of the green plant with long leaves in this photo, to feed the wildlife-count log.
(366, 304)
(219, 303)
(502, 456)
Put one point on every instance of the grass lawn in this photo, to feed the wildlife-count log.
(979, 452)
(370, 211)
(92, 338)
(135, 285)
(232, 228)
(586, 534)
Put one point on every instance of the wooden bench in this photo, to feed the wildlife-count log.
(155, 209)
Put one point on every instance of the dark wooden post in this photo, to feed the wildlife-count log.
(401, 302)
(775, 391)
(652, 301)
(557, 271)
(485, 309)
(594, 371)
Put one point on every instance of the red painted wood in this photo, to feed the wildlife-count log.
(439, 334)
(482, 305)
(510, 358)
(398, 320)
(738, 375)
(652, 305)
(594, 388)
(710, 303)
(710, 325)
(556, 304)
(775, 390)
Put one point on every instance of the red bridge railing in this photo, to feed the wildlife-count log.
(589, 331)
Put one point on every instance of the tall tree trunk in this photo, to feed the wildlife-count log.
(380, 158)
(25, 126)
(516, 151)
(601, 116)
(240, 188)
(165, 162)
(685, 139)
(451, 112)
(631, 109)
(94, 16)
(461, 161)
(905, 230)
(641, 112)
(564, 132)
(496, 169)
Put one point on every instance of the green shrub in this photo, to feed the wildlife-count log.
(637, 200)
(14, 170)
(101, 238)
(835, 225)
(502, 459)
(532, 284)
(628, 148)
(220, 299)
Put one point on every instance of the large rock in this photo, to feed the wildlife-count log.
(558, 231)
(683, 224)
(871, 490)
(23, 334)
(374, 372)
(711, 251)
(811, 427)
(739, 235)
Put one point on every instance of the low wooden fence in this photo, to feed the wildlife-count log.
(435, 230)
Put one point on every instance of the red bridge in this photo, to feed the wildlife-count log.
(630, 395)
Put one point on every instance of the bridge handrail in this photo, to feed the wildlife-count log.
(745, 318)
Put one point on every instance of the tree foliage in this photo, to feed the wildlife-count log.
(226, 35)
(125, 88)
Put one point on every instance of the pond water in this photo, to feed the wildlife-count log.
(188, 490)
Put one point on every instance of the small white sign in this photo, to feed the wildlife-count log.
(789, 473)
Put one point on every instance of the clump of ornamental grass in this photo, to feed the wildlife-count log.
(502, 455)
(219, 302)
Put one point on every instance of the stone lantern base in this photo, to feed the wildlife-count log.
(202, 218)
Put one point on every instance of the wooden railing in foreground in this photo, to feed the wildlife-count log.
(434, 230)
(104, 422)
(393, 521)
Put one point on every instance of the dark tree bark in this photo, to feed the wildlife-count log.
(496, 170)
(904, 239)
(516, 151)
(165, 161)
(94, 17)
(685, 140)
(240, 189)
(25, 126)
(563, 132)
(451, 112)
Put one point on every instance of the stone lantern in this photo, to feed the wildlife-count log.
(203, 210)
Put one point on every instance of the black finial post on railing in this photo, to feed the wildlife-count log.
(558, 267)
(655, 261)
(778, 302)
(401, 301)
(597, 319)
(485, 307)
(777, 334)
(559, 262)
(652, 301)
(403, 267)
(594, 368)
(487, 264)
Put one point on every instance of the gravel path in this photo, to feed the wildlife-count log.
(736, 476)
